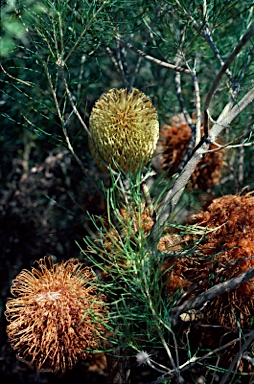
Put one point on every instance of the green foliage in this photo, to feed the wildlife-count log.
(131, 272)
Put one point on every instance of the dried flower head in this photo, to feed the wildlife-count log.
(231, 246)
(125, 129)
(143, 358)
(51, 317)
(226, 252)
(174, 142)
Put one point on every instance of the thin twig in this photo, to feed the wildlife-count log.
(15, 78)
(75, 110)
(198, 106)
(122, 64)
(240, 168)
(62, 121)
(81, 73)
(231, 144)
(135, 72)
(180, 98)
(113, 59)
(153, 59)
(208, 36)
(245, 39)
(179, 93)
(221, 124)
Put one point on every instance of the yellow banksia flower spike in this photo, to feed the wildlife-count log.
(125, 129)
(52, 315)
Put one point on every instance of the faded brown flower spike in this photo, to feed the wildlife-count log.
(52, 315)
(125, 129)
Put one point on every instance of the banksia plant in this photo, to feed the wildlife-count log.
(125, 129)
(56, 316)
(174, 142)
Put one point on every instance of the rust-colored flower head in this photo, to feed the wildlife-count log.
(125, 129)
(229, 251)
(224, 253)
(52, 315)
(174, 142)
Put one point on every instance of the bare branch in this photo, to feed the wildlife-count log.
(179, 92)
(135, 72)
(153, 59)
(113, 59)
(198, 107)
(208, 36)
(173, 195)
(218, 289)
(123, 64)
(223, 122)
(248, 35)
(195, 128)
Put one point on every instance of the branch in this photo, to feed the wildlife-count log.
(153, 59)
(218, 289)
(248, 35)
(179, 93)
(112, 58)
(191, 143)
(208, 37)
(135, 72)
(223, 122)
(198, 107)
(173, 195)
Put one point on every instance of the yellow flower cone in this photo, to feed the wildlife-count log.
(125, 129)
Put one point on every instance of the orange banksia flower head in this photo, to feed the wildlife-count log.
(232, 243)
(125, 129)
(226, 251)
(51, 317)
(174, 142)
